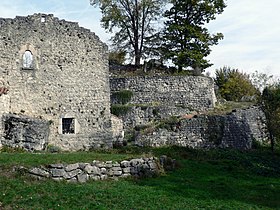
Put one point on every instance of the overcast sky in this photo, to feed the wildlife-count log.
(251, 29)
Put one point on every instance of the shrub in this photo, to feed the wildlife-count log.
(53, 149)
(119, 110)
(8, 149)
(233, 84)
(122, 96)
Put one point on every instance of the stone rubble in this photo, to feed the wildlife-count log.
(97, 170)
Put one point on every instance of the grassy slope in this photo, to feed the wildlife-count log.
(204, 180)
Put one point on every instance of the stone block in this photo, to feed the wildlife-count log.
(116, 168)
(59, 165)
(82, 178)
(117, 173)
(125, 164)
(55, 172)
(103, 170)
(74, 173)
(104, 177)
(83, 165)
(72, 167)
(116, 165)
(39, 172)
(94, 177)
(126, 170)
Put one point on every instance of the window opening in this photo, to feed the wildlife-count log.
(27, 59)
(43, 19)
(68, 125)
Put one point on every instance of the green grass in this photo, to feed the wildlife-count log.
(216, 179)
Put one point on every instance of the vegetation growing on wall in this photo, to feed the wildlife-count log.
(122, 96)
(119, 109)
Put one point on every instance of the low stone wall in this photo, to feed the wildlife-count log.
(196, 92)
(97, 170)
(236, 130)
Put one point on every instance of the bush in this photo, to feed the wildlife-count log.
(119, 110)
(8, 149)
(122, 96)
(234, 85)
(53, 149)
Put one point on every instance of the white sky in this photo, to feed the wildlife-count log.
(250, 29)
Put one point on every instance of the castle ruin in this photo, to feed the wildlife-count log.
(54, 85)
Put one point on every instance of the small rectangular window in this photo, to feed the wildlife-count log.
(43, 19)
(68, 125)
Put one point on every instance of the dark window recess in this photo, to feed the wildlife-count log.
(68, 125)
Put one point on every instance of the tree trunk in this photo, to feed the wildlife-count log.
(137, 59)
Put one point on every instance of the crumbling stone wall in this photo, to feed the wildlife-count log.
(98, 170)
(141, 115)
(25, 132)
(56, 70)
(193, 92)
(236, 130)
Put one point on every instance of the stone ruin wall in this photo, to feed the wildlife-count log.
(69, 78)
(192, 92)
(98, 170)
(158, 98)
(239, 129)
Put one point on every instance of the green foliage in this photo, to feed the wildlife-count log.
(133, 22)
(117, 57)
(271, 104)
(119, 110)
(122, 96)
(53, 149)
(171, 123)
(215, 179)
(233, 84)
(186, 40)
(8, 149)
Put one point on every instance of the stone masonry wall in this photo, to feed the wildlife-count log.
(141, 115)
(236, 130)
(97, 170)
(68, 78)
(195, 92)
(25, 132)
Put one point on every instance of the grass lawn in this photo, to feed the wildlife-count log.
(216, 179)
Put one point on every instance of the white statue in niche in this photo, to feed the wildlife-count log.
(27, 59)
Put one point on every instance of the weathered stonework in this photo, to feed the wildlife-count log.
(193, 92)
(56, 71)
(25, 132)
(141, 115)
(97, 170)
(236, 130)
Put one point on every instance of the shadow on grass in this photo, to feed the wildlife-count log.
(225, 176)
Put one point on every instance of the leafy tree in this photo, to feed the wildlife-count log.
(133, 21)
(261, 80)
(187, 41)
(233, 84)
(271, 104)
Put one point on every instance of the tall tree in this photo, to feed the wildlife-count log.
(187, 41)
(133, 21)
